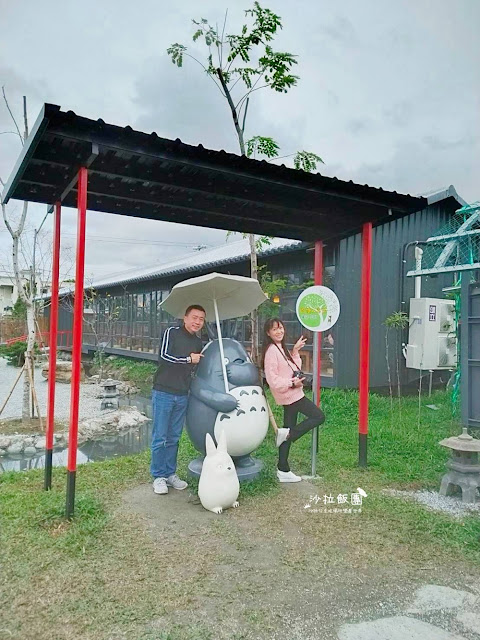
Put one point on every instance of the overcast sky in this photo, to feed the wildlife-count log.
(389, 96)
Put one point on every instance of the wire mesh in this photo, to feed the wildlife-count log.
(456, 245)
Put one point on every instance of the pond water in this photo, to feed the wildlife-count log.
(132, 441)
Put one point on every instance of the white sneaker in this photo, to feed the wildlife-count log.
(282, 435)
(287, 476)
(175, 482)
(160, 486)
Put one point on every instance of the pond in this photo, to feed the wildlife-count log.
(132, 441)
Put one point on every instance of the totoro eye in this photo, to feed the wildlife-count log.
(226, 361)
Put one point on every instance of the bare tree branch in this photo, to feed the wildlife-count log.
(11, 114)
(5, 219)
(206, 71)
(223, 34)
(15, 133)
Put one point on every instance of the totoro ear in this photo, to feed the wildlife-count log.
(210, 445)
(222, 442)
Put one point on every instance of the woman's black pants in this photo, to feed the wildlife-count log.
(314, 418)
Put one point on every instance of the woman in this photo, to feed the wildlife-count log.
(287, 388)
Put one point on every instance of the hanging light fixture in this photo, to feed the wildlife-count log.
(276, 298)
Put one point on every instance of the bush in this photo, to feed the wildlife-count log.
(15, 353)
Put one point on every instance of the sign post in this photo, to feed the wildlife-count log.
(317, 309)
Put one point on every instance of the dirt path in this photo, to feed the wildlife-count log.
(272, 569)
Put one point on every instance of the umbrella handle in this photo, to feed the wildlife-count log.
(220, 344)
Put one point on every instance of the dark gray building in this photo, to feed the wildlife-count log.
(125, 316)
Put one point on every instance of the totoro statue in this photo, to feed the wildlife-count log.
(241, 413)
(218, 487)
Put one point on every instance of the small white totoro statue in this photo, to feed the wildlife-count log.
(219, 487)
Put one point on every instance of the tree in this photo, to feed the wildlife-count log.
(100, 315)
(397, 321)
(239, 65)
(26, 294)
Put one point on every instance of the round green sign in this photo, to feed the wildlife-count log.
(318, 308)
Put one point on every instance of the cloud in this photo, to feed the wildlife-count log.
(388, 94)
(399, 114)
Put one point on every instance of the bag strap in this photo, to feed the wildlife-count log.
(286, 359)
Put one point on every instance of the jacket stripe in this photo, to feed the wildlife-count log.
(164, 349)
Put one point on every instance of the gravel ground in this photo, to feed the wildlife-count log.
(432, 500)
(89, 405)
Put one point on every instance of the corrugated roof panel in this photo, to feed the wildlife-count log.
(208, 258)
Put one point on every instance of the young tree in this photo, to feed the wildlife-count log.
(26, 293)
(240, 64)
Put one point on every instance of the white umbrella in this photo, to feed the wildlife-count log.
(222, 297)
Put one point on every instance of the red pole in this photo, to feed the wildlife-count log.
(52, 352)
(364, 371)
(318, 279)
(77, 341)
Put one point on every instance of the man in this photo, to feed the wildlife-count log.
(179, 353)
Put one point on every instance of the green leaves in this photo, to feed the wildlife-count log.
(262, 241)
(397, 320)
(306, 161)
(263, 146)
(208, 32)
(176, 51)
(246, 62)
(276, 66)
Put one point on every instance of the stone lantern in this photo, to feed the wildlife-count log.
(110, 394)
(464, 466)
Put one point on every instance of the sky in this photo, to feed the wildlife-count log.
(389, 95)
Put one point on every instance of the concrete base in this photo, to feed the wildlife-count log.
(468, 483)
(248, 468)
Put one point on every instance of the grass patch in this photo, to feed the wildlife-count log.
(12, 426)
(105, 578)
(139, 372)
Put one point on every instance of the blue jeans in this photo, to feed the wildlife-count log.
(168, 418)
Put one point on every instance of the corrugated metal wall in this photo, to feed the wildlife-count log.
(387, 269)
(470, 351)
(388, 243)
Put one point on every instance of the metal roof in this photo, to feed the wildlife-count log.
(442, 194)
(142, 175)
(228, 253)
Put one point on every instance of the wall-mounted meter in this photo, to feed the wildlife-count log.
(432, 336)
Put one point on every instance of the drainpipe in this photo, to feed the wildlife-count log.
(418, 262)
(415, 243)
(418, 266)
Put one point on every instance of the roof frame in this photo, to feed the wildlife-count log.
(142, 175)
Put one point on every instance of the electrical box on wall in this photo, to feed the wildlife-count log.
(432, 335)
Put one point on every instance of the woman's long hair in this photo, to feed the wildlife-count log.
(267, 341)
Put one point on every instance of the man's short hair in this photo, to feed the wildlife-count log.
(195, 306)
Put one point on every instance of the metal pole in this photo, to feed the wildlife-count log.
(316, 341)
(418, 266)
(220, 344)
(52, 349)
(317, 352)
(364, 369)
(77, 342)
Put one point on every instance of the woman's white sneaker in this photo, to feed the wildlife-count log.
(282, 435)
(287, 476)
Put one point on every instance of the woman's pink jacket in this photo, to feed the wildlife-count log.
(279, 376)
